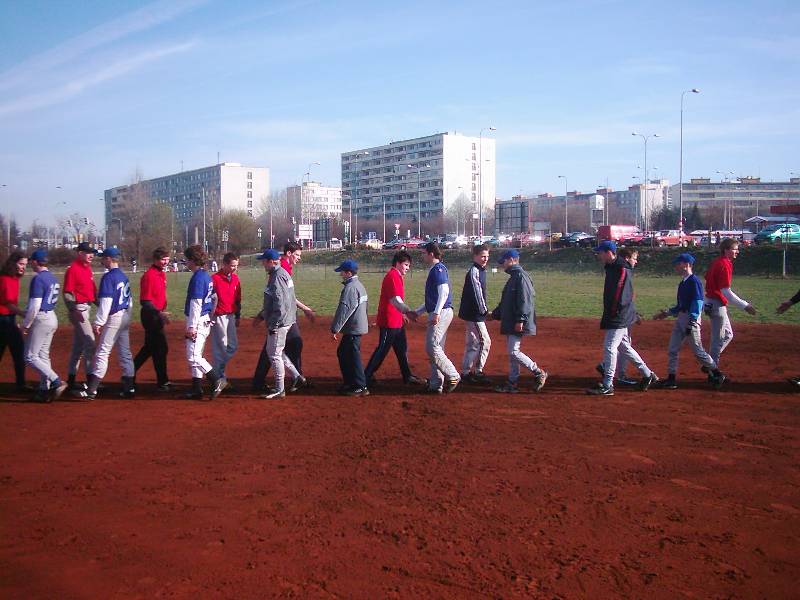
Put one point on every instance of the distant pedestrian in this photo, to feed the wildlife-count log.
(351, 322)
(439, 307)
(80, 292)
(473, 310)
(154, 317)
(10, 334)
(688, 312)
(40, 326)
(517, 315)
(619, 313)
(227, 313)
(214, 266)
(782, 308)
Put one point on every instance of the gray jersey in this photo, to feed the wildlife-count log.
(351, 314)
(280, 302)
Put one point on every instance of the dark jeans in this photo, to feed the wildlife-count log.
(155, 345)
(349, 354)
(390, 339)
(293, 349)
(11, 336)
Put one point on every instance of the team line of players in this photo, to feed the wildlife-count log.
(213, 309)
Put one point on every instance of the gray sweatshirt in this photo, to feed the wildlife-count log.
(280, 303)
(517, 304)
(351, 314)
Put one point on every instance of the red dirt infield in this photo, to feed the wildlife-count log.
(666, 494)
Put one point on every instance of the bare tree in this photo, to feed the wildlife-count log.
(240, 230)
(144, 225)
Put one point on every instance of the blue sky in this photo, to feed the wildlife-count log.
(91, 91)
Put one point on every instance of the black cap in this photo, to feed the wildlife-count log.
(86, 247)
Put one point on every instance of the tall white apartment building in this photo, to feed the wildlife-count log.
(312, 200)
(418, 179)
(224, 186)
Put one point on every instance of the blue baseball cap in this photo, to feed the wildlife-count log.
(111, 252)
(684, 258)
(269, 254)
(347, 265)
(606, 246)
(506, 255)
(39, 255)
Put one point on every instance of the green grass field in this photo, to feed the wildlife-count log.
(557, 294)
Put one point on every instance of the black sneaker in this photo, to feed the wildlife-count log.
(192, 395)
(297, 383)
(717, 380)
(627, 381)
(795, 381)
(357, 392)
(56, 391)
(414, 380)
(42, 396)
(480, 379)
(468, 379)
(219, 385)
(165, 387)
(646, 382)
(273, 393)
(705, 369)
(507, 388)
(601, 390)
(667, 384)
(539, 381)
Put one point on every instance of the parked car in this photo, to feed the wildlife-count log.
(779, 233)
(395, 244)
(577, 238)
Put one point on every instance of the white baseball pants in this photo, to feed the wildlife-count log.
(37, 347)
(476, 347)
(114, 332)
(194, 349)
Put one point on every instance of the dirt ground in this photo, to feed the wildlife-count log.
(665, 494)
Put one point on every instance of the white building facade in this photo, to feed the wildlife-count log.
(419, 179)
(312, 200)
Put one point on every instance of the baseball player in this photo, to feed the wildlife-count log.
(153, 299)
(80, 292)
(688, 311)
(227, 313)
(473, 310)
(280, 313)
(350, 320)
(718, 295)
(439, 307)
(40, 325)
(619, 313)
(292, 255)
(200, 300)
(782, 308)
(111, 326)
(393, 314)
(517, 315)
(10, 335)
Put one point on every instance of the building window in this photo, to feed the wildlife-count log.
(474, 197)
(473, 145)
(249, 194)
(249, 185)
(250, 213)
(249, 174)
(249, 204)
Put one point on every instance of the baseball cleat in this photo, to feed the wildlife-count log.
(626, 381)
(451, 385)
(430, 390)
(165, 387)
(78, 390)
(219, 385)
(357, 392)
(601, 390)
(297, 383)
(272, 393)
(467, 379)
(414, 380)
(666, 384)
(42, 397)
(56, 391)
(480, 379)
(717, 380)
(507, 388)
(646, 382)
(794, 381)
(539, 381)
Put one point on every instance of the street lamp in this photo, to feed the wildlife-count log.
(566, 205)
(680, 176)
(419, 201)
(480, 179)
(643, 217)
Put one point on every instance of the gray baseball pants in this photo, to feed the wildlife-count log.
(516, 358)
(435, 339)
(114, 332)
(224, 341)
(721, 330)
(37, 347)
(476, 347)
(676, 341)
(618, 342)
(276, 342)
(82, 342)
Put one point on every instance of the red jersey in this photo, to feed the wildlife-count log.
(9, 293)
(388, 316)
(286, 265)
(154, 287)
(79, 281)
(229, 293)
(718, 277)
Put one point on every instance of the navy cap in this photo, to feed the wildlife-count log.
(506, 255)
(606, 246)
(347, 265)
(110, 252)
(86, 247)
(39, 255)
(684, 258)
(269, 254)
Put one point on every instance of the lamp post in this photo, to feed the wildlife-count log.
(566, 205)
(643, 216)
(205, 244)
(480, 179)
(680, 168)
(259, 231)
(419, 201)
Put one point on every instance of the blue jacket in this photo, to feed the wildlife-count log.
(473, 306)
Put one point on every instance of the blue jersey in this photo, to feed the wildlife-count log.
(115, 285)
(200, 287)
(436, 277)
(45, 286)
(690, 297)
